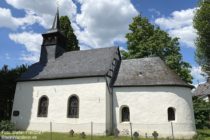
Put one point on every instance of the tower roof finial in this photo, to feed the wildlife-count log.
(56, 22)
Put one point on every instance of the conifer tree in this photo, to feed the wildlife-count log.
(72, 42)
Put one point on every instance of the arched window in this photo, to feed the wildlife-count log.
(125, 114)
(43, 107)
(73, 107)
(171, 114)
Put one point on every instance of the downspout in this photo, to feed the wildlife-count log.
(111, 106)
(110, 87)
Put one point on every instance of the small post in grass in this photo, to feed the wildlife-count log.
(91, 136)
(50, 130)
(131, 131)
(172, 129)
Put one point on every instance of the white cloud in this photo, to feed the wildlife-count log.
(197, 74)
(96, 26)
(45, 10)
(152, 10)
(8, 21)
(31, 42)
(105, 22)
(29, 57)
(7, 56)
(180, 24)
(67, 7)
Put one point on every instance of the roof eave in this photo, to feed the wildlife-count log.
(177, 85)
(59, 78)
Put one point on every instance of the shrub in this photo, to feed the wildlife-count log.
(83, 135)
(155, 135)
(136, 135)
(6, 126)
(71, 133)
(198, 137)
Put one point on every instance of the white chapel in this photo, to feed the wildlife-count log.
(69, 90)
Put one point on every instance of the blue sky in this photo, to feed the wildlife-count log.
(97, 23)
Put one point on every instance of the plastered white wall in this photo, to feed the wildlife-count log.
(148, 107)
(148, 110)
(92, 93)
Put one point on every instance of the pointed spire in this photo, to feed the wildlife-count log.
(56, 22)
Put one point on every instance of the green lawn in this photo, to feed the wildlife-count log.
(65, 136)
(205, 133)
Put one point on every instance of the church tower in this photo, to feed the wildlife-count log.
(54, 42)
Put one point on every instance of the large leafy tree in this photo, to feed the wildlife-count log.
(72, 42)
(202, 113)
(8, 78)
(146, 40)
(202, 25)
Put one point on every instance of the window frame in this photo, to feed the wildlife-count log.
(38, 112)
(68, 107)
(121, 114)
(171, 118)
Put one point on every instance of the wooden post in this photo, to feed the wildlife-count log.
(50, 130)
(91, 131)
(172, 130)
(131, 131)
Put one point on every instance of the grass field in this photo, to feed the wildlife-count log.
(204, 135)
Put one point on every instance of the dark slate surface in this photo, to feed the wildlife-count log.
(73, 64)
(202, 89)
(146, 72)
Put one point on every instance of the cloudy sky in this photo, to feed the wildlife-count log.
(97, 23)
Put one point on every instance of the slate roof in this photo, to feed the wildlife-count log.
(84, 63)
(147, 72)
(97, 62)
(203, 89)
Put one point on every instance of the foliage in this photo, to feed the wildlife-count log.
(202, 25)
(8, 78)
(6, 126)
(72, 42)
(198, 137)
(155, 135)
(83, 135)
(71, 132)
(136, 136)
(146, 40)
(202, 134)
(202, 113)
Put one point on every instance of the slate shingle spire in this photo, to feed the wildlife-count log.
(56, 22)
(54, 42)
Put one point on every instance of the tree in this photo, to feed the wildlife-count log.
(145, 40)
(202, 113)
(202, 25)
(8, 78)
(72, 42)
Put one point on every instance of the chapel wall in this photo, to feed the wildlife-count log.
(92, 104)
(148, 110)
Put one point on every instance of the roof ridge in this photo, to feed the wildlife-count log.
(92, 49)
(152, 57)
